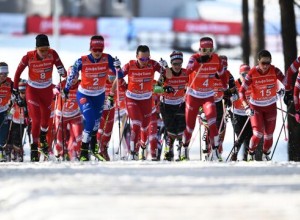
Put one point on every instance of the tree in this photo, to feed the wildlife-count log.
(258, 40)
(289, 35)
(245, 33)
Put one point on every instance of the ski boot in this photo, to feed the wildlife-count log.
(215, 155)
(134, 155)
(84, 153)
(266, 156)
(104, 154)
(34, 154)
(143, 154)
(95, 148)
(43, 149)
(169, 154)
(251, 156)
(2, 155)
(184, 153)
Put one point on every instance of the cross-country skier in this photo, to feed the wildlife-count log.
(94, 69)
(261, 107)
(5, 103)
(172, 105)
(239, 118)
(67, 115)
(202, 70)
(39, 90)
(139, 94)
(19, 121)
(292, 70)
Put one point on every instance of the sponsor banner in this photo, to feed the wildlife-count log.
(207, 27)
(12, 23)
(124, 26)
(75, 26)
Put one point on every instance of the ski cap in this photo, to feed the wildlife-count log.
(22, 85)
(206, 42)
(42, 40)
(97, 44)
(224, 60)
(4, 69)
(176, 55)
(244, 68)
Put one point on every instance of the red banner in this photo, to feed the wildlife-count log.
(207, 27)
(76, 26)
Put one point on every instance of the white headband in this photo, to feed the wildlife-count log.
(3, 69)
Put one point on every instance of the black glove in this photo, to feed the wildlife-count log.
(227, 101)
(15, 92)
(66, 93)
(203, 59)
(110, 102)
(288, 97)
(169, 89)
(21, 102)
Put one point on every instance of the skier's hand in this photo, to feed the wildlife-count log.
(168, 89)
(16, 93)
(117, 63)
(234, 97)
(109, 102)
(66, 93)
(288, 97)
(280, 92)
(297, 116)
(21, 102)
(249, 111)
(163, 63)
(62, 72)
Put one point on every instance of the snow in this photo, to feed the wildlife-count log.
(146, 189)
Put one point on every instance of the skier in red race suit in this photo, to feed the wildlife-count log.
(261, 107)
(5, 103)
(139, 95)
(290, 73)
(67, 114)
(203, 67)
(39, 90)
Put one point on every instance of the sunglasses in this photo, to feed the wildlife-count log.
(265, 63)
(206, 50)
(144, 59)
(176, 64)
(22, 92)
(97, 50)
(43, 50)
(243, 75)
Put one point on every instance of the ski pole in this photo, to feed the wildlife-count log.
(283, 125)
(286, 112)
(240, 134)
(283, 119)
(62, 120)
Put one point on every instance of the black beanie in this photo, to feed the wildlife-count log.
(42, 40)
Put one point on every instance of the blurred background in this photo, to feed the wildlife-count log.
(176, 24)
(240, 28)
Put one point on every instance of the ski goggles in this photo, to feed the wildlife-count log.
(97, 50)
(244, 74)
(206, 50)
(144, 59)
(177, 64)
(265, 63)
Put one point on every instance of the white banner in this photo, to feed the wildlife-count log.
(12, 23)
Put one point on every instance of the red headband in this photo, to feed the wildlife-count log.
(97, 44)
(244, 68)
(206, 44)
